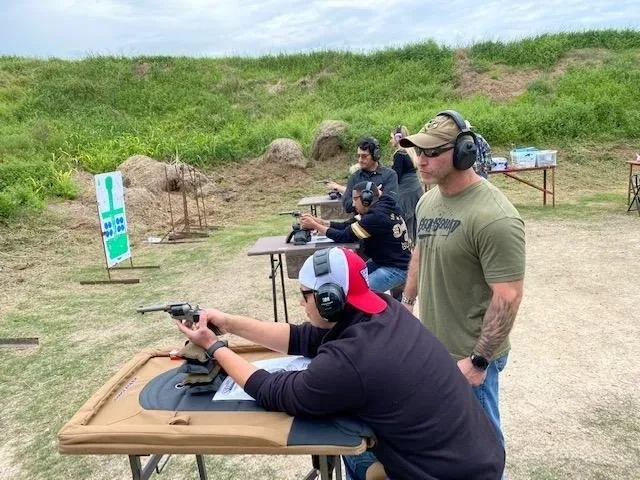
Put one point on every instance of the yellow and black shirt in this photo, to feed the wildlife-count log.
(382, 231)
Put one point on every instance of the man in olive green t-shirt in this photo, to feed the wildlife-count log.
(467, 267)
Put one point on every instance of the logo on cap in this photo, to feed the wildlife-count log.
(365, 274)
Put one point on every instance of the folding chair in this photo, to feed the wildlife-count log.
(634, 188)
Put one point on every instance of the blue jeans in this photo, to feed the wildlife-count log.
(356, 466)
(489, 393)
(382, 278)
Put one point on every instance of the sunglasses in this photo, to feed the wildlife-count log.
(304, 293)
(432, 152)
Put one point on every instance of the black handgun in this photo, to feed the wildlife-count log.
(187, 313)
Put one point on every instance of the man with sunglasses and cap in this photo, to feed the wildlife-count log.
(468, 265)
(371, 360)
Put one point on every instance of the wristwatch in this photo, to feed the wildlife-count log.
(408, 300)
(212, 349)
(479, 361)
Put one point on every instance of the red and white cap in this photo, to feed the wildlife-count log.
(348, 271)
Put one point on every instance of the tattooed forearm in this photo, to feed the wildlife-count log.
(497, 323)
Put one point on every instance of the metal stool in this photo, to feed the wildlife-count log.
(634, 189)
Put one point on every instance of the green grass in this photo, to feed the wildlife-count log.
(58, 115)
(544, 50)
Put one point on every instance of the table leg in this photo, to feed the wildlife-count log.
(284, 292)
(324, 468)
(272, 276)
(138, 472)
(338, 466)
(312, 475)
(202, 469)
(544, 187)
(629, 185)
(553, 187)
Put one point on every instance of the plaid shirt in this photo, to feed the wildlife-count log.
(483, 157)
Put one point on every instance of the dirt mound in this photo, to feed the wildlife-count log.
(157, 177)
(153, 197)
(287, 151)
(327, 141)
(147, 210)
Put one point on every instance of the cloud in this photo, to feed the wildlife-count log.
(73, 28)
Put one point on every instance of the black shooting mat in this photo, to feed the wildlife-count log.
(165, 392)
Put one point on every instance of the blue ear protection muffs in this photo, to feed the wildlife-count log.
(330, 298)
(466, 147)
(366, 195)
(373, 146)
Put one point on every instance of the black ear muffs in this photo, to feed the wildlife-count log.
(329, 297)
(376, 150)
(466, 143)
(366, 195)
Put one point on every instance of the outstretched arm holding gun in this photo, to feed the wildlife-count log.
(270, 334)
(333, 185)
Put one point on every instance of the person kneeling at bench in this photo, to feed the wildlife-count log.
(372, 360)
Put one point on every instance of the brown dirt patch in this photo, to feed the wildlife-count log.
(142, 69)
(502, 83)
(310, 82)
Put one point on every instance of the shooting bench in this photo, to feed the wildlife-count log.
(330, 209)
(141, 411)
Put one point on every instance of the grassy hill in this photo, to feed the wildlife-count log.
(574, 91)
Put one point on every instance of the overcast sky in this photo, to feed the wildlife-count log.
(77, 28)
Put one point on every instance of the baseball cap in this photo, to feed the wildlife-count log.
(349, 272)
(437, 132)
